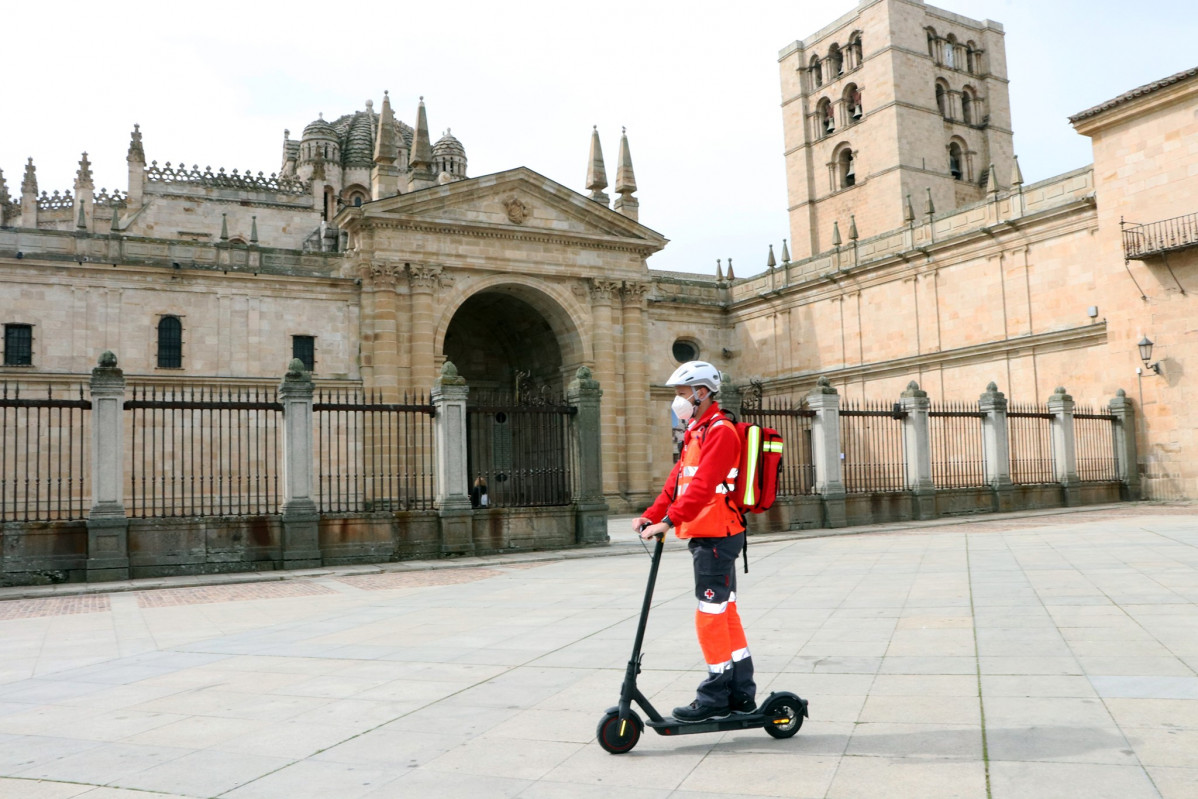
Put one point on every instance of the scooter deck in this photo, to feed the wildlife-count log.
(735, 721)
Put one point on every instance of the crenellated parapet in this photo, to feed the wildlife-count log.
(223, 180)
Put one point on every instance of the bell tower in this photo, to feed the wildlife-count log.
(894, 99)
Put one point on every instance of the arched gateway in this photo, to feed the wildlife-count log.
(518, 281)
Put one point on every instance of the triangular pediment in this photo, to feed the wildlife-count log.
(518, 200)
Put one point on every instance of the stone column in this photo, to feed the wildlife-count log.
(602, 292)
(636, 392)
(1126, 457)
(425, 280)
(383, 305)
(453, 480)
(996, 447)
(1064, 448)
(107, 526)
(586, 458)
(301, 517)
(917, 448)
(825, 451)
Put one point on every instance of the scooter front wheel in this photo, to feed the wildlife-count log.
(784, 716)
(617, 736)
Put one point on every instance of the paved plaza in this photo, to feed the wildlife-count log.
(1044, 654)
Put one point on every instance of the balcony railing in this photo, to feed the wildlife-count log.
(1155, 238)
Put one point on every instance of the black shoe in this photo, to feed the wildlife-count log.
(742, 704)
(696, 711)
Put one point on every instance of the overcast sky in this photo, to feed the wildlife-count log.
(521, 84)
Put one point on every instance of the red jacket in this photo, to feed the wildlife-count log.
(720, 455)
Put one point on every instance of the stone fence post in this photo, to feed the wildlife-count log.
(301, 517)
(917, 449)
(453, 481)
(825, 451)
(1064, 446)
(107, 525)
(1127, 466)
(996, 447)
(586, 458)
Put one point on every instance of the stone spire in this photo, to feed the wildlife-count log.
(731, 274)
(993, 180)
(29, 182)
(909, 212)
(384, 175)
(597, 172)
(770, 262)
(785, 253)
(719, 269)
(626, 204)
(929, 208)
(83, 176)
(29, 196)
(420, 162)
(1016, 174)
(836, 240)
(4, 198)
(853, 228)
(136, 153)
(136, 160)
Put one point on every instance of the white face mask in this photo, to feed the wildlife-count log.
(683, 407)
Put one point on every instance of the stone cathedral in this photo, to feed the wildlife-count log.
(916, 251)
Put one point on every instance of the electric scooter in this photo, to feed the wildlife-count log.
(781, 714)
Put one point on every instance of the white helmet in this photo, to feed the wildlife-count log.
(696, 373)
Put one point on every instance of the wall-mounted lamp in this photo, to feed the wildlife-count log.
(1145, 346)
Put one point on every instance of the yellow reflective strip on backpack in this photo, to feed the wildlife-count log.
(752, 444)
(772, 446)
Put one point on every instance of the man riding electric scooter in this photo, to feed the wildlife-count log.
(697, 501)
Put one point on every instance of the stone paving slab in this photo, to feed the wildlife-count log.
(1046, 654)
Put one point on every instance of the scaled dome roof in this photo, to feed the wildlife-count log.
(449, 145)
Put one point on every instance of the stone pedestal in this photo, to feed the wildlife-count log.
(996, 447)
(453, 481)
(301, 517)
(917, 447)
(1064, 446)
(107, 526)
(586, 458)
(825, 452)
(1127, 466)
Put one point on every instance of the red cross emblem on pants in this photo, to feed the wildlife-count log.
(709, 594)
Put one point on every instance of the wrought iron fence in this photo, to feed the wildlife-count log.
(1029, 437)
(871, 442)
(202, 452)
(958, 450)
(1154, 238)
(1094, 439)
(373, 455)
(44, 462)
(794, 423)
(520, 449)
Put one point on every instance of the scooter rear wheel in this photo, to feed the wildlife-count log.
(784, 717)
(619, 737)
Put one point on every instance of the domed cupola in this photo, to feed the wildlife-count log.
(357, 131)
(449, 156)
(320, 141)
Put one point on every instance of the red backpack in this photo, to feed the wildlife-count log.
(760, 466)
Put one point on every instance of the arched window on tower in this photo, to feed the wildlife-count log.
(967, 106)
(932, 44)
(835, 61)
(846, 168)
(950, 51)
(170, 343)
(852, 103)
(825, 117)
(942, 99)
(971, 58)
(855, 50)
(817, 79)
(956, 161)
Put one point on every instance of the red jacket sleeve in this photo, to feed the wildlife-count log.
(657, 510)
(721, 454)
